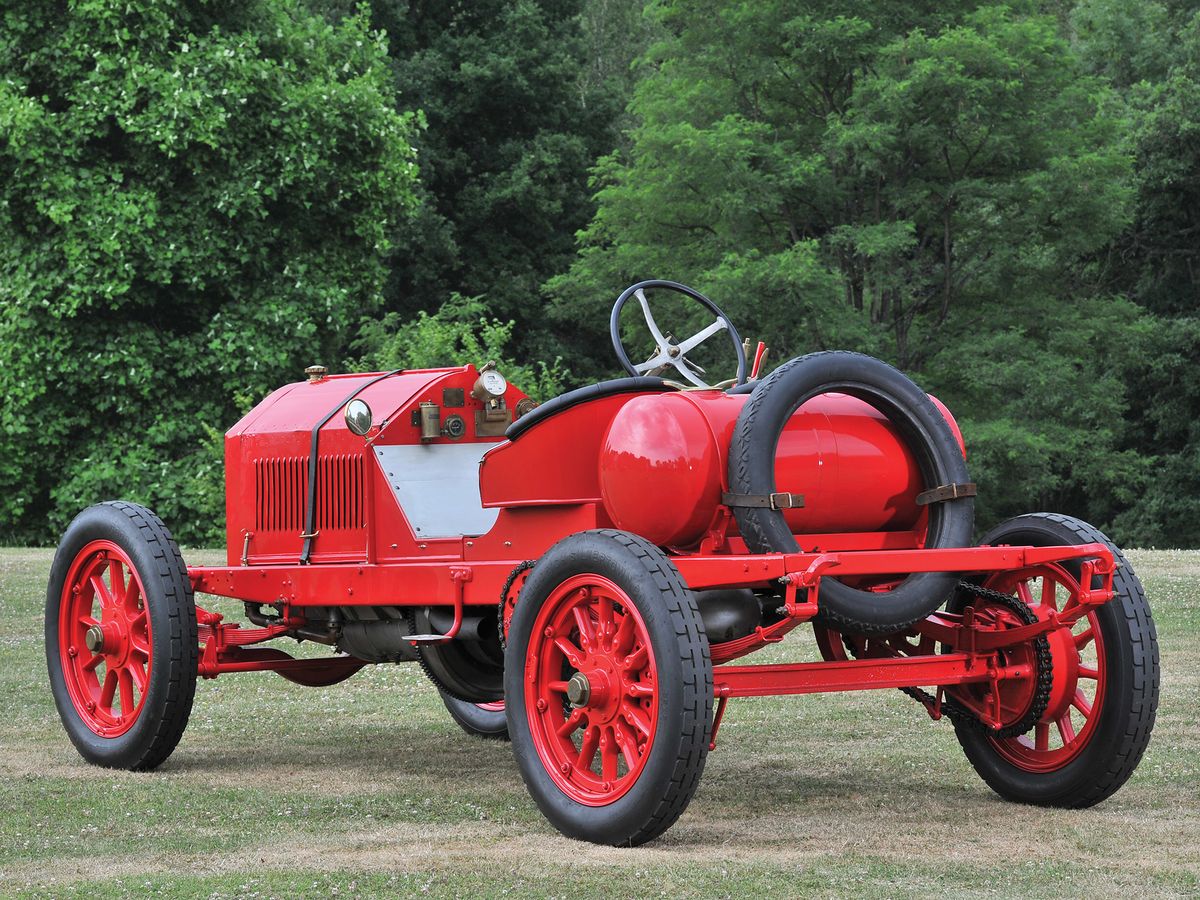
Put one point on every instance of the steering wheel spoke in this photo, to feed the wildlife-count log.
(658, 361)
(662, 342)
(701, 336)
(685, 369)
(670, 354)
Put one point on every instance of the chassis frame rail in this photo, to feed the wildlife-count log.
(290, 588)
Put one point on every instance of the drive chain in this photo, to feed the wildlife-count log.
(963, 715)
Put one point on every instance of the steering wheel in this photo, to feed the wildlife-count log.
(670, 353)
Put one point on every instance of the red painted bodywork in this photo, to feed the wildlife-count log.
(651, 463)
(664, 460)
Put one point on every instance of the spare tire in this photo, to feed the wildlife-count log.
(922, 427)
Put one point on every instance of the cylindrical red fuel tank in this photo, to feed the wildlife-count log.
(664, 460)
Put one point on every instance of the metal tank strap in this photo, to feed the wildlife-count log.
(945, 492)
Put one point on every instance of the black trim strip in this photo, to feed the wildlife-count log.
(310, 515)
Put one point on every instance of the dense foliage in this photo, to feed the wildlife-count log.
(942, 185)
(196, 200)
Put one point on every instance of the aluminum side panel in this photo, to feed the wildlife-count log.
(437, 487)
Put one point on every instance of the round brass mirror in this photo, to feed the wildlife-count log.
(358, 416)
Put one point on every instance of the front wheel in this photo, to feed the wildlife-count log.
(121, 643)
(609, 688)
(1105, 687)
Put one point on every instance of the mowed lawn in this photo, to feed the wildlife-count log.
(368, 788)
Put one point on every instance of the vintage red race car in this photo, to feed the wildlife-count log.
(579, 575)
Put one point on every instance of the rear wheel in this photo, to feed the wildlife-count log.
(483, 720)
(121, 644)
(609, 688)
(1105, 689)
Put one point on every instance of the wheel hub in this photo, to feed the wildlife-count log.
(94, 639)
(579, 690)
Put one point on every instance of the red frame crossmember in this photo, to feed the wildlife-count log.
(223, 648)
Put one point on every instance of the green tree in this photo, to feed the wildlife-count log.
(196, 200)
(514, 124)
(928, 183)
(1153, 53)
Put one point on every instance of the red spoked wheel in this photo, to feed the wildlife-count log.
(104, 635)
(609, 684)
(121, 647)
(593, 689)
(1104, 694)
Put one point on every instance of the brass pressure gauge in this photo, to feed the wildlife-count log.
(490, 385)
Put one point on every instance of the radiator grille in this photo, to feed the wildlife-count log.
(281, 492)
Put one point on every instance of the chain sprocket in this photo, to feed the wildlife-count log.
(512, 577)
(961, 714)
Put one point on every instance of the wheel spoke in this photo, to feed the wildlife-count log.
(91, 664)
(587, 633)
(608, 757)
(1089, 672)
(700, 337)
(628, 744)
(636, 718)
(604, 615)
(637, 659)
(638, 689)
(1049, 592)
(101, 590)
(116, 580)
(1065, 728)
(587, 750)
(623, 639)
(571, 724)
(139, 676)
(572, 653)
(559, 687)
(1024, 593)
(1081, 703)
(133, 594)
(1085, 637)
(1041, 736)
(126, 682)
(108, 689)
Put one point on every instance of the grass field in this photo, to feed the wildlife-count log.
(368, 788)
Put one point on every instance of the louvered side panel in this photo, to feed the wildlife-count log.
(281, 493)
(280, 484)
(340, 491)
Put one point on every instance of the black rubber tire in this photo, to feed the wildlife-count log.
(1131, 692)
(174, 645)
(489, 724)
(685, 680)
(927, 434)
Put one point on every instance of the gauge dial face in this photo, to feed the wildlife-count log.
(493, 382)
